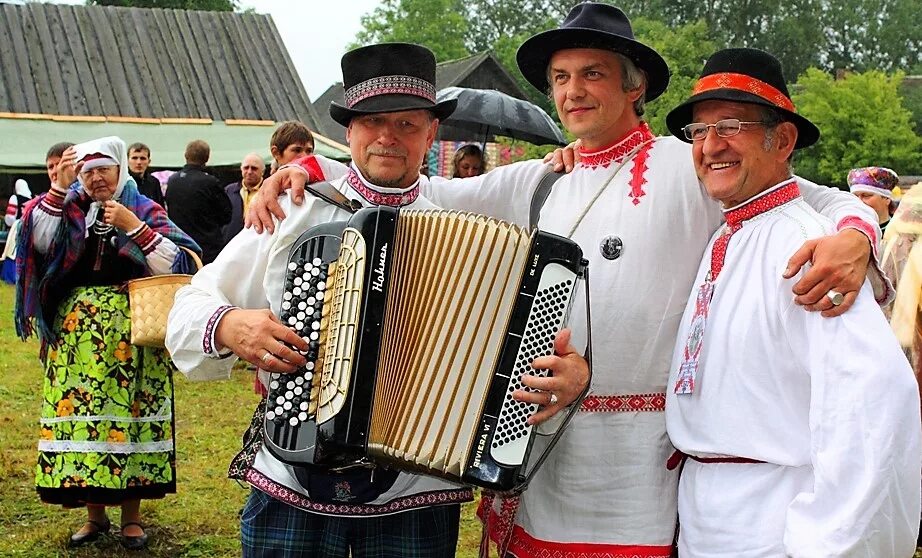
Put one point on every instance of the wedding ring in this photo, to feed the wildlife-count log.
(836, 297)
(553, 400)
(265, 358)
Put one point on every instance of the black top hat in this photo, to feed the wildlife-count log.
(389, 77)
(592, 25)
(743, 75)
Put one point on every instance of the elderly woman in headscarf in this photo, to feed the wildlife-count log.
(107, 411)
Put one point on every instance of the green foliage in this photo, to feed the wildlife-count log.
(911, 90)
(829, 34)
(201, 5)
(439, 25)
(685, 49)
(862, 121)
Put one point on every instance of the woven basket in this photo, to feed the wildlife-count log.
(151, 299)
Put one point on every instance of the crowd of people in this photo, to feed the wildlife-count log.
(748, 397)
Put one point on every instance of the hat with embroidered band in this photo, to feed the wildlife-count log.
(389, 77)
(598, 26)
(743, 75)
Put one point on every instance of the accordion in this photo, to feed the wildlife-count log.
(420, 324)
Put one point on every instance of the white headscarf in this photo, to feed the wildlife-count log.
(22, 190)
(113, 148)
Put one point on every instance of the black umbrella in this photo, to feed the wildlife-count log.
(485, 112)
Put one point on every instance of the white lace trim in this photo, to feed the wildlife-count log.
(165, 413)
(96, 418)
(104, 447)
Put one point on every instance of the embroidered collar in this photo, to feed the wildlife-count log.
(617, 151)
(769, 199)
(394, 197)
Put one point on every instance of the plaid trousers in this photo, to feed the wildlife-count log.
(271, 528)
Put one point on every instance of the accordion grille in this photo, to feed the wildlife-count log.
(339, 328)
(454, 281)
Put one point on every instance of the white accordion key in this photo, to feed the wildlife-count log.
(548, 311)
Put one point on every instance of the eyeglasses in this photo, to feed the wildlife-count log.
(729, 127)
(102, 171)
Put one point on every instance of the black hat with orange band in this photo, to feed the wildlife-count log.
(743, 75)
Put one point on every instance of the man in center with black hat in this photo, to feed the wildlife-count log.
(643, 220)
(231, 309)
(801, 433)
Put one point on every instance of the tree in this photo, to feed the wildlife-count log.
(439, 25)
(829, 34)
(685, 49)
(202, 5)
(862, 121)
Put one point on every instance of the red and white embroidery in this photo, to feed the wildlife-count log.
(641, 402)
(378, 198)
(688, 369)
(637, 174)
(619, 150)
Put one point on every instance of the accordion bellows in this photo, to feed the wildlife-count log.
(424, 332)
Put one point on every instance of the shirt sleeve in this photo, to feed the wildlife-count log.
(848, 212)
(159, 251)
(865, 436)
(237, 278)
(233, 280)
(46, 218)
(504, 192)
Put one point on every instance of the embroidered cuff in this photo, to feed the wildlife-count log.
(308, 164)
(883, 289)
(208, 341)
(52, 203)
(860, 225)
(146, 238)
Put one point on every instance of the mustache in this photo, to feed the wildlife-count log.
(385, 152)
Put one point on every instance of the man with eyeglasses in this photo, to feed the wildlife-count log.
(799, 435)
(635, 206)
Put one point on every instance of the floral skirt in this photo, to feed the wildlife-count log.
(107, 411)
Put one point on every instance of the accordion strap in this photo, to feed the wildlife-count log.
(328, 193)
(540, 196)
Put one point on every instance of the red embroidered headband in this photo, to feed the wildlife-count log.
(742, 82)
(390, 85)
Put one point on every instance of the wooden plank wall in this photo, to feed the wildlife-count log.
(147, 63)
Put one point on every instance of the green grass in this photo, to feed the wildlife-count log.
(201, 519)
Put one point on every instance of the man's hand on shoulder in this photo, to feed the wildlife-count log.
(840, 264)
(259, 215)
(564, 159)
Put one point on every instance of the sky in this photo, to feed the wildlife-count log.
(316, 33)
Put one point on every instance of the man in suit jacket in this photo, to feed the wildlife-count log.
(240, 193)
(197, 202)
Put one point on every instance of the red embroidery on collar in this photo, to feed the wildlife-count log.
(616, 152)
(736, 216)
(379, 198)
(637, 174)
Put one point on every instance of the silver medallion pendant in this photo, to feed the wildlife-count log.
(611, 247)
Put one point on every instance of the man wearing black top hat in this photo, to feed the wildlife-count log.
(637, 209)
(797, 430)
(231, 307)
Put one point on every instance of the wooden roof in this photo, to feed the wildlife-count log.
(478, 71)
(136, 63)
